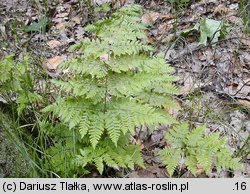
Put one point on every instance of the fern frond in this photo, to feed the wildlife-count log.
(110, 161)
(109, 90)
(6, 65)
(205, 159)
(122, 155)
(113, 126)
(84, 124)
(191, 162)
(170, 157)
(197, 149)
(99, 164)
(177, 134)
(96, 128)
(156, 100)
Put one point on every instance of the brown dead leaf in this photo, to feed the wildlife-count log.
(167, 16)
(62, 15)
(221, 9)
(139, 143)
(104, 57)
(201, 56)
(168, 39)
(150, 18)
(52, 63)
(79, 33)
(174, 111)
(60, 26)
(232, 19)
(161, 31)
(247, 58)
(76, 19)
(246, 42)
(54, 43)
(144, 173)
(189, 85)
(58, 20)
(200, 170)
(122, 2)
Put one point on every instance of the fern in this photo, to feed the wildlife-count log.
(58, 157)
(111, 85)
(197, 149)
(123, 155)
(16, 80)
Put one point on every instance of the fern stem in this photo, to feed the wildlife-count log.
(106, 94)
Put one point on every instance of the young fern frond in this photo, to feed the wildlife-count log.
(197, 149)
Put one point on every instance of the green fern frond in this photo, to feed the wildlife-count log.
(84, 124)
(170, 157)
(125, 156)
(96, 128)
(6, 65)
(177, 135)
(198, 149)
(99, 164)
(110, 161)
(113, 126)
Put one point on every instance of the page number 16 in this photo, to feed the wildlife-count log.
(240, 186)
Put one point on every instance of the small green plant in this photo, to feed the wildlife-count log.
(20, 100)
(104, 7)
(196, 148)
(245, 14)
(209, 29)
(17, 85)
(39, 26)
(179, 3)
(113, 86)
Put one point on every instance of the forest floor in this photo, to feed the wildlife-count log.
(214, 77)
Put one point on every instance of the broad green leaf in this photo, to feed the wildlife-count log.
(209, 29)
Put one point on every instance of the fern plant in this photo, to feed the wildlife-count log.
(113, 85)
(197, 149)
(17, 85)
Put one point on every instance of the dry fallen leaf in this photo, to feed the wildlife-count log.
(167, 16)
(60, 26)
(247, 58)
(62, 15)
(58, 20)
(54, 43)
(221, 9)
(246, 42)
(200, 170)
(244, 102)
(174, 111)
(189, 85)
(76, 19)
(150, 18)
(104, 57)
(52, 63)
(80, 33)
(122, 2)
